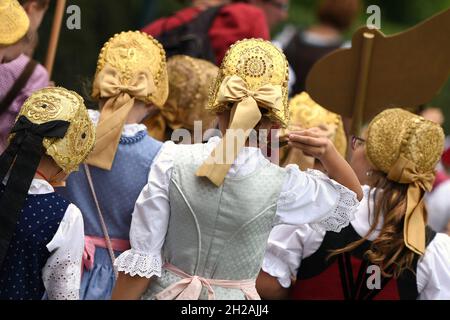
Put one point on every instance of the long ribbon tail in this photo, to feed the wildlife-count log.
(8, 156)
(245, 116)
(22, 174)
(109, 132)
(414, 225)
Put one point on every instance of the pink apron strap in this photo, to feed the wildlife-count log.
(190, 287)
(91, 243)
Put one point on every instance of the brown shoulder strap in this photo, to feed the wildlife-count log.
(18, 85)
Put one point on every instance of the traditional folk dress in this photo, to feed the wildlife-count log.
(45, 252)
(201, 223)
(117, 191)
(303, 253)
(300, 252)
(131, 67)
(41, 233)
(188, 233)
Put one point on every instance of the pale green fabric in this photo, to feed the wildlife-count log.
(218, 233)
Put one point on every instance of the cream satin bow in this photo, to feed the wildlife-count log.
(121, 97)
(245, 115)
(404, 171)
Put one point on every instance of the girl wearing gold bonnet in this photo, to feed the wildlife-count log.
(14, 25)
(41, 233)
(189, 83)
(305, 113)
(130, 81)
(406, 259)
(213, 205)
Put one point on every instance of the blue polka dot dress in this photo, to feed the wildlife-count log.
(40, 257)
(117, 191)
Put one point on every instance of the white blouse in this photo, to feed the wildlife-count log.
(306, 198)
(62, 272)
(438, 204)
(289, 245)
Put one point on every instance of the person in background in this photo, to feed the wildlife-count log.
(438, 201)
(14, 26)
(230, 24)
(305, 46)
(189, 85)
(433, 114)
(305, 114)
(21, 76)
(276, 11)
(389, 232)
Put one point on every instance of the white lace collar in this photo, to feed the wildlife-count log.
(129, 130)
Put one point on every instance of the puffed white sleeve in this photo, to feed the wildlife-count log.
(433, 270)
(150, 220)
(62, 272)
(312, 198)
(287, 246)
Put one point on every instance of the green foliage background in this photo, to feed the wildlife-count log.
(100, 19)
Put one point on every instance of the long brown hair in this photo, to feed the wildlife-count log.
(388, 250)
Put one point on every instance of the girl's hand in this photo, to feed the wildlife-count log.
(313, 142)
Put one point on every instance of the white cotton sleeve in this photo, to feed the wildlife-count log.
(312, 198)
(287, 246)
(150, 220)
(433, 270)
(62, 272)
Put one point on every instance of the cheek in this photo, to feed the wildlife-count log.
(358, 161)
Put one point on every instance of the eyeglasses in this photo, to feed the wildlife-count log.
(279, 5)
(357, 142)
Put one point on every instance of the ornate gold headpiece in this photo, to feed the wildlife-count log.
(407, 148)
(14, 22)
(258, 63)
(252, 80)
(52, 104)
(131, 66)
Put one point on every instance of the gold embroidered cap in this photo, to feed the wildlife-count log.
(57, 103)
(252, 83)
(258, 63)
(397, 132)
(306, 113)
(190, 81)
(131, 53)
(407, 148)
(14, 22)
(131, 66)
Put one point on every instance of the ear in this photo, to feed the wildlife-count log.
(28, 6)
